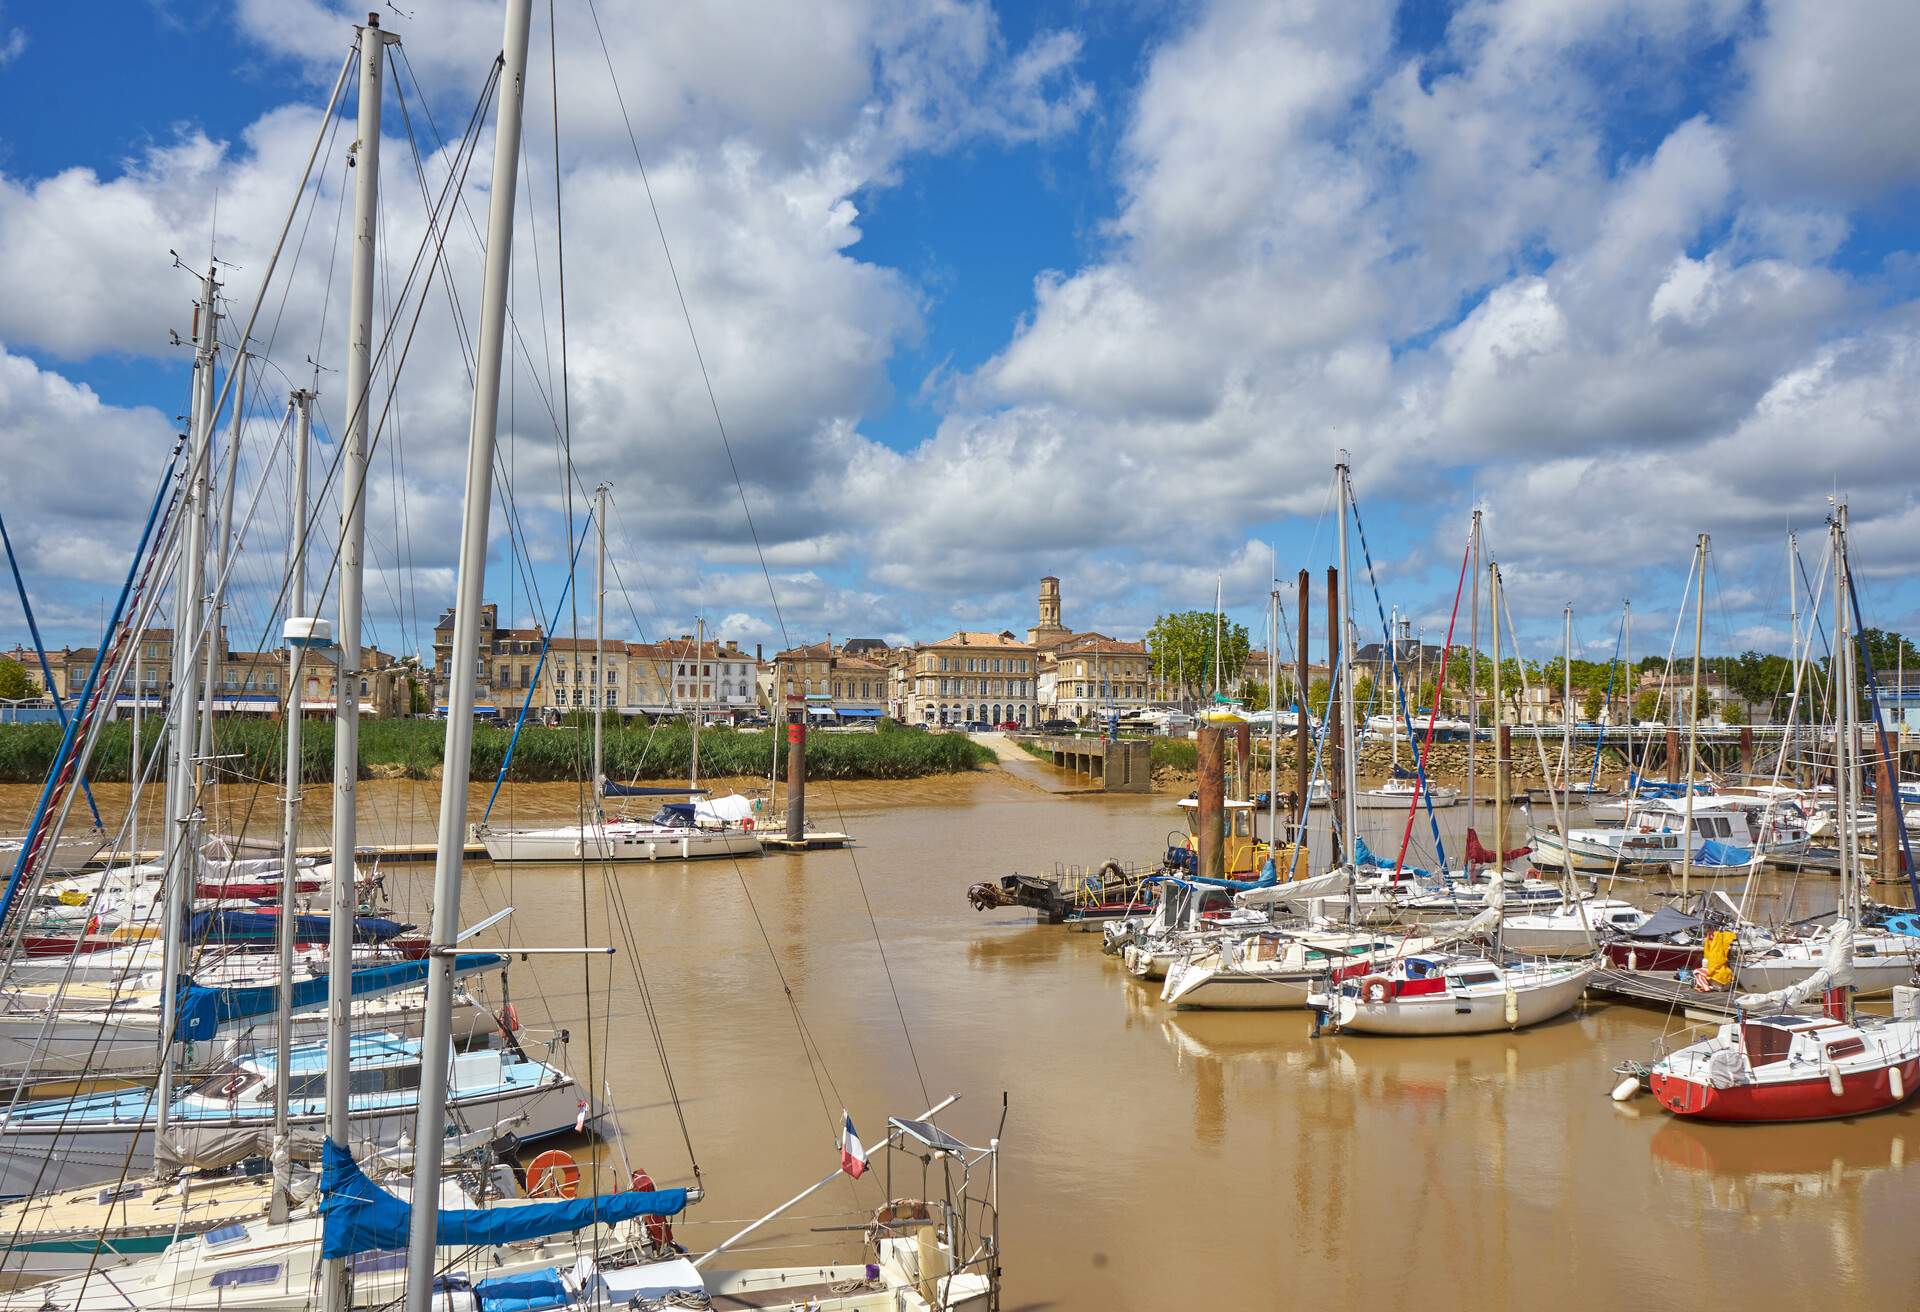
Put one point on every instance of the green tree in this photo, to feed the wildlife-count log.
(1363, 694)
(1181, 645)
(1733, 713)
(418, 702)
(15, 683)
(1646, 703)
(1590, 703)
(1317, 693)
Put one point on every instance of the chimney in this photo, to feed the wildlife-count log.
(758, 658)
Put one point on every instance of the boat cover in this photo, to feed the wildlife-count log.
(1665, 921)
(203, 1010)
(1713, 852)
(264, 927)
(731, 809)
(525, 1291)
(1836, 971)
(358, 1216)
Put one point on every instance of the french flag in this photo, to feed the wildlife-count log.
(853, 1157)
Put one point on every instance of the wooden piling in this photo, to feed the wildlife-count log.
(1746, 751)
(1208, 819)
(1886, 808)
(1673, 756)
(797, 775)
(1243, 762)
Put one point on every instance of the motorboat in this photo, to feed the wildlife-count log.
(1275, 968)
(1573, 929)
(1398, 794)
(1724, 839)
(678, 831)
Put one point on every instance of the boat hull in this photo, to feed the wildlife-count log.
(612, 845)
(40, 1158)
(1448, 1013)
(1813, 1099)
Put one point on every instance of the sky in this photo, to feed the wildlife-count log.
(983, 293)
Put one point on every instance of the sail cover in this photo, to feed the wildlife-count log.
(203, 1010)
(264, 927)
(358, 1216)
(1836, 971)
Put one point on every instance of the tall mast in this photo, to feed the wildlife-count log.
(1473, 678)
(1842, 720)
(1793, 629)
(470, 586)
(699, 641)
(1273, 708)
(346, 687)
(298, 626)
(1693, 710)
(599, 684)
(1626, 686)
(1216, 636)
(1348, 766)
(182, 796)
(222, 547)
(1566, 708)
(1499, 718)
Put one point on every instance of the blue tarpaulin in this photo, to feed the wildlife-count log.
(1713, 852)
(358, 1216)
(264, 927)
(530, 1291)
(202, 1010)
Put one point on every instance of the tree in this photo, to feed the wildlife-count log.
(15, 683)
(1733, 713)
(418, 702)
(1181, 645)
(1317, 693)
(1363, 694)
(1646, 703)
(1255, 695)
(1590, 703)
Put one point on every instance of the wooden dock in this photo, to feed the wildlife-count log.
(815, 840)
(1662, 992)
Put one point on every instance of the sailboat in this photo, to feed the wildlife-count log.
(1774, 1061)
(678, 831)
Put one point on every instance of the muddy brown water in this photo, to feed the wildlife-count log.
(1152, 1160)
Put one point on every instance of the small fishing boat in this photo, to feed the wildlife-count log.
(1397, 794)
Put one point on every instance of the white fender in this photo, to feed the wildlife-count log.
(1626, 1089)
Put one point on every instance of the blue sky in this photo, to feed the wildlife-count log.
(992, 292)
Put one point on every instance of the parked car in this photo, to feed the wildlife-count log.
(976, 726)
(1058, 726)
(1010, 726)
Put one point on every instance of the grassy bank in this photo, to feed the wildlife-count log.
(412, 748)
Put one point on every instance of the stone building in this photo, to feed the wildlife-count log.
(1095, 676)
(975, 676)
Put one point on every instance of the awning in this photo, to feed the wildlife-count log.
(860, 713)
(824, 712)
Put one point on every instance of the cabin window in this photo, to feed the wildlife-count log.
(383, 1259)
(1477, 977)
(261, 1274)
(221, 1236)
(117, 1193)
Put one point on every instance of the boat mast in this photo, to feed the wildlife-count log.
(1348, 766)
(699, 640)
(1473, 679)
(1845, 741)
(346, 657)
(182, 797)
(470, 585)
(1217, 581)
(599, 649)
(1693, 710)
(1566, 712)
(290, 815)
(1273, 707)
(1499, 718)
(222, 547)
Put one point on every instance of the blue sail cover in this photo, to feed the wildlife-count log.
(1713, 852)
(202, 1010)
(358, 1216)
(227, 926)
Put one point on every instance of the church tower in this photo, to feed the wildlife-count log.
(1049, 631)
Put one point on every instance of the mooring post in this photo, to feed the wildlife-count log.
(1673, 755)
(1207, 820)
(1746, 751)
(797, 774)
(1891, 861)
(1242, 762)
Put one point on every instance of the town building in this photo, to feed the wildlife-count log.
(1094, 676)
(975, 676)
(845, 684)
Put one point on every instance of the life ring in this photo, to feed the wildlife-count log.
(1376, 988)
(747, 825)
(553, 1174)
(659, 1229)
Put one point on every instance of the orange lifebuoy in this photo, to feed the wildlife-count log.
(1376, 988)
(553, 1174)
(747, 824)
(659, 1229)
